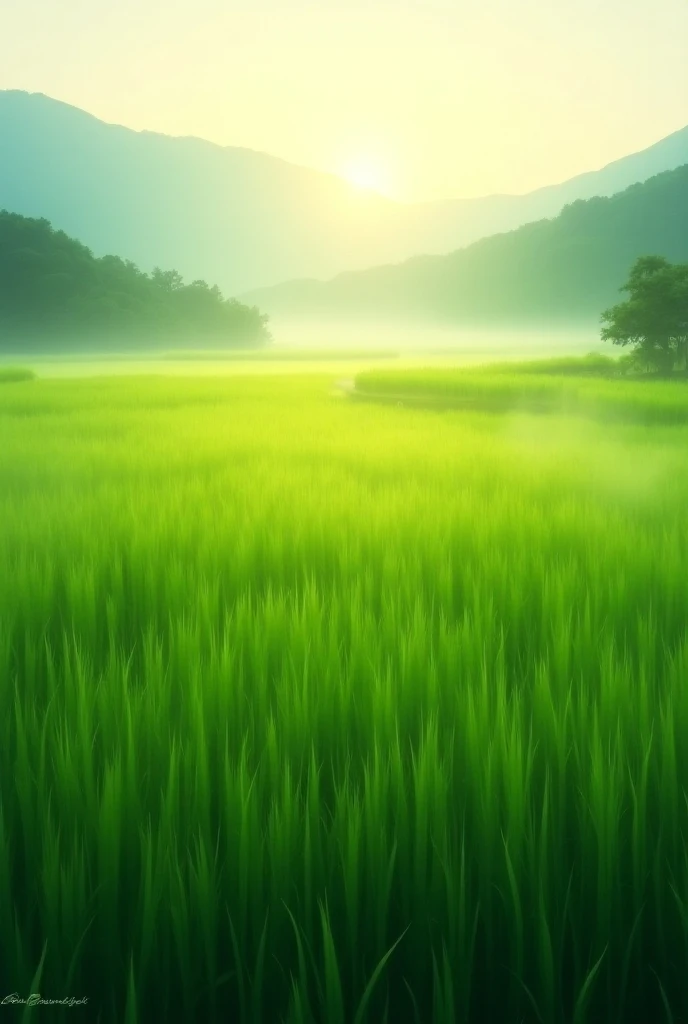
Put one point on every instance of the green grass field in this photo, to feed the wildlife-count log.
(15, 375)
(316, 710)
(595, 385)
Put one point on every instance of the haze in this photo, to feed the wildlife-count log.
(418, 100)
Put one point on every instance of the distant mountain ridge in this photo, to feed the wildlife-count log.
(239, 217)
(566, 269)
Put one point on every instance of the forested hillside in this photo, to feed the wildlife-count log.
(52, 288)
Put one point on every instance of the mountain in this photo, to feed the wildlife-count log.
(238, 217)
(453, 225)
(567, 269)
(228, 215)
(54, 294)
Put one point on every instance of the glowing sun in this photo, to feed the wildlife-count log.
(365, 173)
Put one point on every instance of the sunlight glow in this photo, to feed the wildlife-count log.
(365, 173)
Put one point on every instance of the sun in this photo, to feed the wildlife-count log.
(366, 174)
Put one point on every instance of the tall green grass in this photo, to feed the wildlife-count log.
(595, 385)
(15, 375)
(314, 711)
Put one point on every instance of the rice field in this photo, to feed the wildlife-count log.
(15, 374)
(596, 386)
(317, 711)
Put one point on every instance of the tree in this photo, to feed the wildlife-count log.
(654, 319)
(168, 280)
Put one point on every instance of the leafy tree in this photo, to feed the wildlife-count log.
(168, 280)
(654, 319)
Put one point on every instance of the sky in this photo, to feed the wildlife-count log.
(421, 100)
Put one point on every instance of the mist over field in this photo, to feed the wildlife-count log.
(316, 348)
(422, 338)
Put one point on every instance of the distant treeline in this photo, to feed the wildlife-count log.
(52, 287)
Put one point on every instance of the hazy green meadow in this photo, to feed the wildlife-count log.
(329, 711)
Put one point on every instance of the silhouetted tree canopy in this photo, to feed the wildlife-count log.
(654, 319)
(51, 284)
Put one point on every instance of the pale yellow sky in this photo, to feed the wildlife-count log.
(426, 100)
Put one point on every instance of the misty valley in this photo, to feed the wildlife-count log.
(343, 603)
